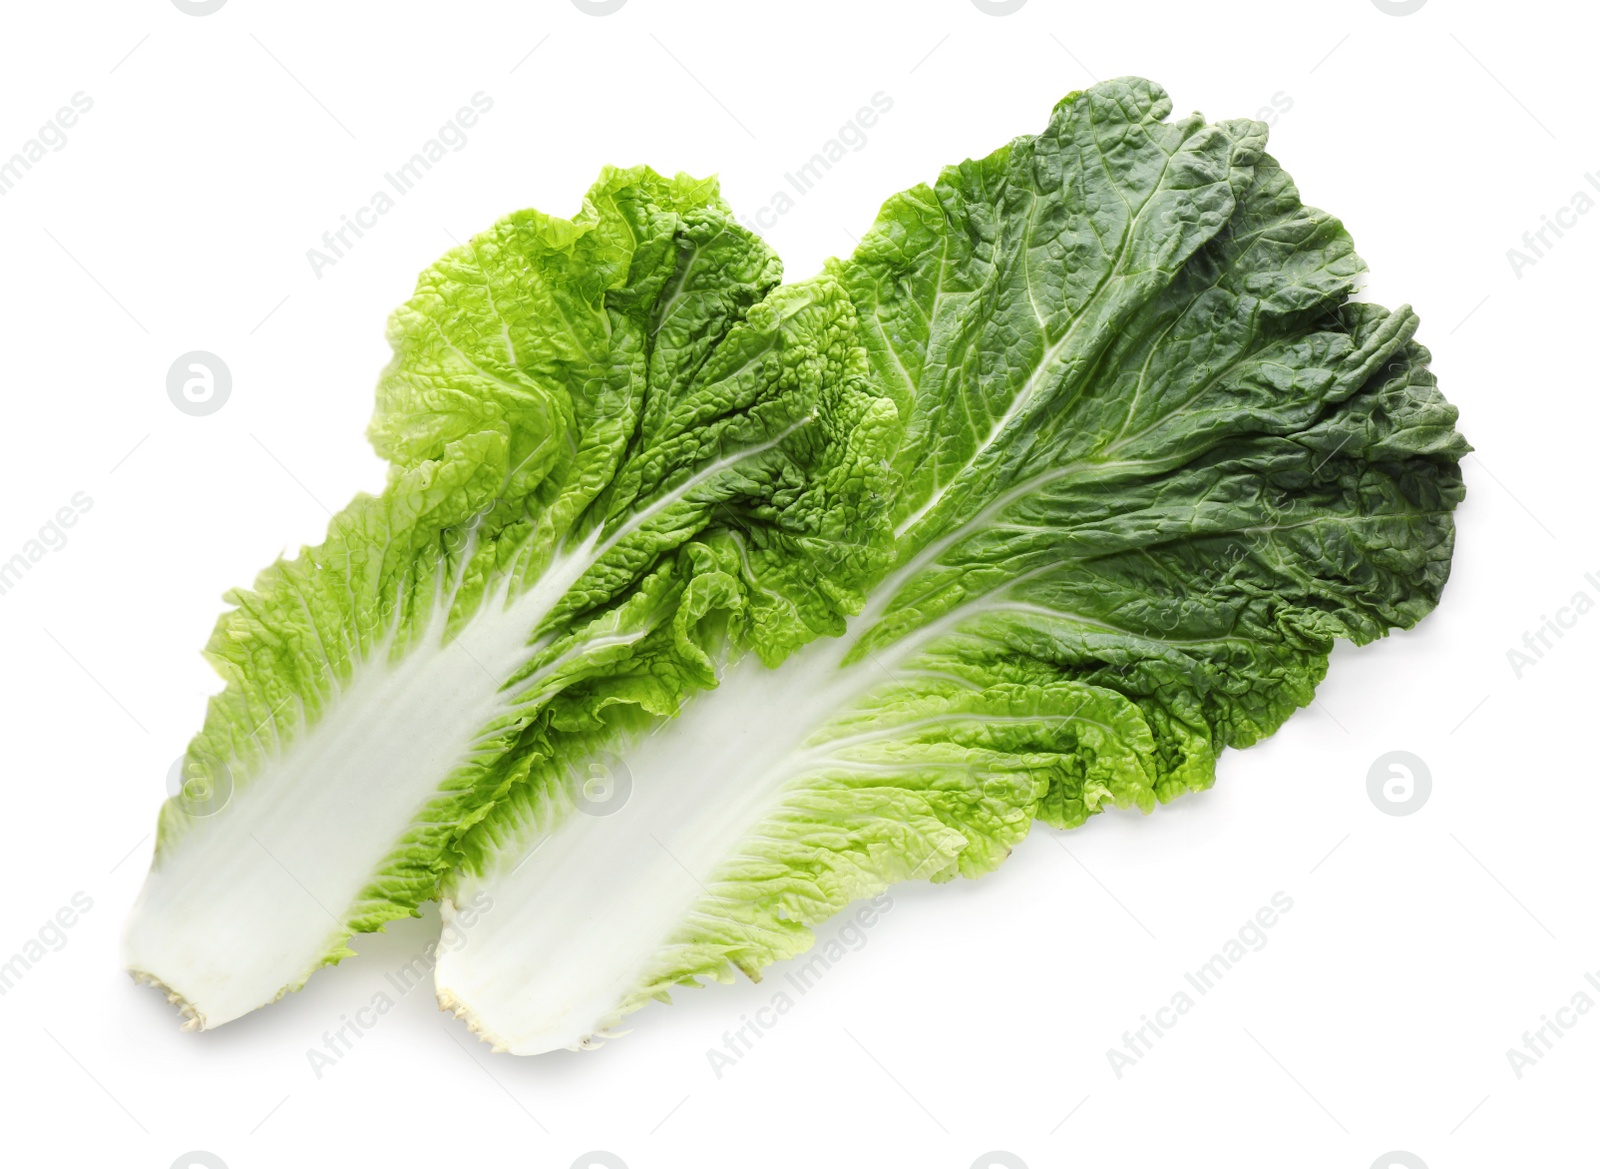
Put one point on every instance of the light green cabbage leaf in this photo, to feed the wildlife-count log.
(569, 403)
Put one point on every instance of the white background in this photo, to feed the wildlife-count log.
(978, 1015)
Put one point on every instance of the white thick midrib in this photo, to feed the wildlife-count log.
(246, 905)
(578, 916)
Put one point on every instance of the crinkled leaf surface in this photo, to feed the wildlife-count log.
(1152, 462)
(569, 403)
